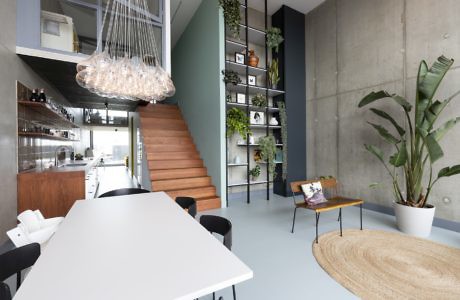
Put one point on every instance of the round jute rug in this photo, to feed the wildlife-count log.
(375, 264)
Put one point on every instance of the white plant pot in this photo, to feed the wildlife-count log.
(413, 220)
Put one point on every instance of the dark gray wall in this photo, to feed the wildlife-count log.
(358, 46)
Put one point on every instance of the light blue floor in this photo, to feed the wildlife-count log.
(283, 264)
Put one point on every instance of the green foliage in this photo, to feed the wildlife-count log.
(231, 76)
(237, 121)
(417, 146)
(273, 75)
(255, 172)
(274, 38)
(267, 146)
(232, 15)
(259, 100)
(284, 137)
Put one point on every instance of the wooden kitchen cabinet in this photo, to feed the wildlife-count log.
(52, 192)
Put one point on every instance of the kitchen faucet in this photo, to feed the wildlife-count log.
(56, 161)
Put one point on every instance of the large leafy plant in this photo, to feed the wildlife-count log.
(267, 146)
(416, 144)
(237, 121)
(274, 38)
(232, 15)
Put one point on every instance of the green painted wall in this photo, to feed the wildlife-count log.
(197, 61)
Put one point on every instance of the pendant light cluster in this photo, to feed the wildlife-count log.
(128, 67)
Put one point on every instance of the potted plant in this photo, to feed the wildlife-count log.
(237, 121)
(273, 75)
(231, 76)
(284, 137)
(232, 15)
(255, 173)
(416, 147)
(274, 38)
(259, 100)
(267, 147)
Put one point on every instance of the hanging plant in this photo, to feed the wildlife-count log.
(284, 137)
(232, 16)
(259, 100)
(273, 75)
(231, 77)
(274, 38)
(237, 121)
(267, 146)
(255, 172)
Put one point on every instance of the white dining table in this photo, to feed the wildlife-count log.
(133, 247)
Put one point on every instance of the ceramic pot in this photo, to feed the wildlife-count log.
(237, 160)
(252, 140)
(253, 59)
(413, 220)
(273, 121)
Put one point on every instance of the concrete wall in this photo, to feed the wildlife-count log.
(197, 61)
(12, 68)
(358, 46)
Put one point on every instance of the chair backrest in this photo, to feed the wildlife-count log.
(5, 293)
(328, 184)
(18, 259)
(187, 203)
(219, 225)
(123, 192)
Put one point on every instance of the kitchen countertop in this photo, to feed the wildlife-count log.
(89, 164)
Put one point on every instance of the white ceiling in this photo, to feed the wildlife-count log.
(182, 11)
(304, 6)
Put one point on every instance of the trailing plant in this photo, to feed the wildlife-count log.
(231, 76)
(416, 145)
(255, 172)
(274, 38)
(259, 100)
(267, 146)
(237, 121)
(273, 75)
(232, 15)
(284, 137)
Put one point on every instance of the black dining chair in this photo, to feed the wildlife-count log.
(187, 203)
(223, 227)
(15, 260)
(123, 192)
(5, 293)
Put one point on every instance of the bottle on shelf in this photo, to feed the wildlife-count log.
(34, 96)
(42, 96)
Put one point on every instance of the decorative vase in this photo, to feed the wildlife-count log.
(413, 220)
(257, 155)
(237, 160)
(254, 178)
(273, 121)
(252, 140)
(253, 59)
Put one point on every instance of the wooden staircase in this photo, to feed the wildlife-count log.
(174, 162)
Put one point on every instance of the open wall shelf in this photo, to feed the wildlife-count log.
(45, 136)
(46, 116)
(251, 37)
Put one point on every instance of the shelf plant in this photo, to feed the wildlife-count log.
(274, 38)
(267, 147)
(416, 142)
(259, 100)
(284, 137)
(231, 76)
(237, 121)
(255, 172)
(232, 16)
(273, 75)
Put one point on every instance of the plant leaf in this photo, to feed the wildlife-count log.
(431, 80)
(441, 131)
(384, 115)
(374, 96)
(434, 150)
(376, 151)
(399, 158)
(449, 171)
(385, 134)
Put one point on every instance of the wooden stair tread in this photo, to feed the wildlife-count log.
(173, 155)
(180, 183)
(175, 164)
(178, 173)
(165, 133)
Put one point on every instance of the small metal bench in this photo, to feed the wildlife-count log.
(335, 202)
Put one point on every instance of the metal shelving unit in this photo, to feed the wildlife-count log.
(256, 36)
